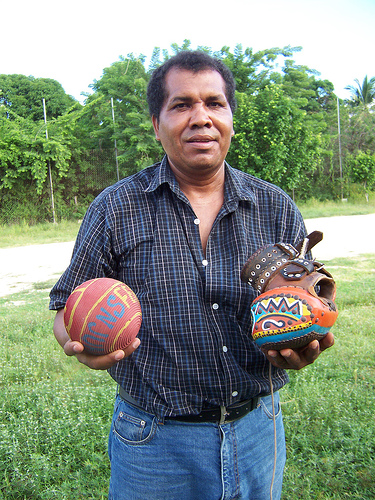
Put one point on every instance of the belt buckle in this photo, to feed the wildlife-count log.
(223, 414)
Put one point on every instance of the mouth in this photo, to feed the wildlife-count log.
(201, 139)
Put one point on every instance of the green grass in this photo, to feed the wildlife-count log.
(329, 407)
(55, 413)
(25, 234)
(314, 208)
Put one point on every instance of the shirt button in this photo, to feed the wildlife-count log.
(234, 394)
(205, 262)
(225, 348)
(215, 306)
(197, 221)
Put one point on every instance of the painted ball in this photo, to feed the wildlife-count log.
(290, 317)
(103, 314)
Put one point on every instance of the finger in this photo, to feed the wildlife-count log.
(298, 359)
(290, 359)
(327, 341)
(100, 362)
(276, 359)
(132, 347)
(71, 348)
(108, 360)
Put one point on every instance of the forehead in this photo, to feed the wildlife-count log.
(185, 83)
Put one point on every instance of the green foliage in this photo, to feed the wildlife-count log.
(362, 169)
(310, 94)
(25, 156)
(362, 94)
(253, 70)
(126, 83)
(358, 130)
(286, 131)
(273, 140)
(23, 96)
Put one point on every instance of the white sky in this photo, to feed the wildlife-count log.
(73, 41)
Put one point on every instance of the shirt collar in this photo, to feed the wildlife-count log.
(237, 184)
(163, 175)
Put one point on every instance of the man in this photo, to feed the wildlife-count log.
(193, 417)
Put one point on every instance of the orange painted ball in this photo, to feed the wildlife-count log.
(291, 317)
(103, 314)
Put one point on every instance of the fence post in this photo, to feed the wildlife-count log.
(340, 161)
(113, 119)
(49, 166)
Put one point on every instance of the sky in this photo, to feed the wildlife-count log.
(73, 41)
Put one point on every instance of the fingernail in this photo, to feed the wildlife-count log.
(136, 343)
(119, 355)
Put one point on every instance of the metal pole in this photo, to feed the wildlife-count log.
(49, 166)
(339, 132)
(113, 119)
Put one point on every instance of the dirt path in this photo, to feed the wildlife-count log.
(21, 267)
(345, 236)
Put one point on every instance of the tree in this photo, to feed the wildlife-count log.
(126, 83)
(23, 96)
(253, 70)
(24, 154)
(362, 94)
(362, 170)
(273, 140)
(359, 131)
(311, 94)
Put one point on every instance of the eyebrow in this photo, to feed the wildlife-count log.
(216, 97)
(180, 99)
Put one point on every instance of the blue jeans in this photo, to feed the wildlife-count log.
(195, 461)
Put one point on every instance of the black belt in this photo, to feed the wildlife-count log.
(218, 414)
(221, 414)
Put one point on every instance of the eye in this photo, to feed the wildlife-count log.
(215, 104)
(180, 105)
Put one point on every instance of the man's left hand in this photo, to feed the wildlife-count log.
(295, 359)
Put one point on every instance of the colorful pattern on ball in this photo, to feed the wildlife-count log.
(103, 314)
(289, 316)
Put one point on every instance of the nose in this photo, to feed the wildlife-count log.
(200, 116)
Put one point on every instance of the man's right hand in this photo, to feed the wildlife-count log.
(74, 348)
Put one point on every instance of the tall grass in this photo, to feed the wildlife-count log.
(55, 413)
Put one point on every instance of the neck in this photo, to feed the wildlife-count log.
(203, 185)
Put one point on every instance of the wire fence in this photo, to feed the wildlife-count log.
(90, 173)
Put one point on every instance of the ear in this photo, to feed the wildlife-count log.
(155, 124)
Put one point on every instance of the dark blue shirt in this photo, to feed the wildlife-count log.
(196, 345)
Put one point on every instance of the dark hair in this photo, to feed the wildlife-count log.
(193, 61)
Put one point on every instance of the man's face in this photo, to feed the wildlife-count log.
(195, 125)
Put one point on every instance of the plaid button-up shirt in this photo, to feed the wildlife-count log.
(196, 345)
